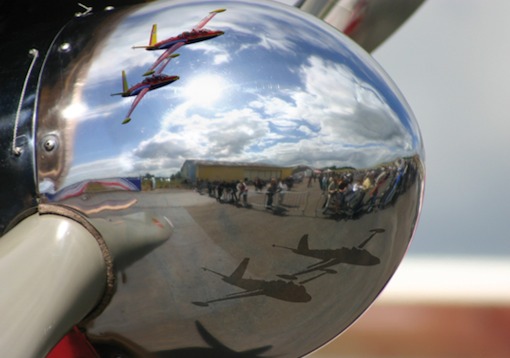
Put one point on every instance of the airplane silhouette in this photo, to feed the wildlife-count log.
(279, 289)
(331, 257)
(171, 44)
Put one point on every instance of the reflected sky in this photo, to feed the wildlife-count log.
(258, 93)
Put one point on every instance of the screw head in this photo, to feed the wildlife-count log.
(50, 143)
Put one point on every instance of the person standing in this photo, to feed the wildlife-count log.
(270, 192)
(242, 187)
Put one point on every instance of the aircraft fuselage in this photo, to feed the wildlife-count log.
(151, 83)
(353, 255)
(279, 289)
(186, 37)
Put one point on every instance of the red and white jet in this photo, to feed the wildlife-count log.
(171, 44)
(157, 80)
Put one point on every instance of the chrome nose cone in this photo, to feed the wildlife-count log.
(282, 147)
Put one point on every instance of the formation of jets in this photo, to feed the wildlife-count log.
(154, 75)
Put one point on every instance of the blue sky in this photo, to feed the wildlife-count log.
(273, 88)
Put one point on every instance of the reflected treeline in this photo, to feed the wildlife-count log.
(114, 346)
(285, 289)
(337, 194)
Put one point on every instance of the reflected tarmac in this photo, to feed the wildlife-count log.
(219, 237)
(332, 257)
(279, 289)
(114, 346)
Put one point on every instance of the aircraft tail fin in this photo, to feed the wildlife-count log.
(303, 243)
(154, 35)
(125, 86)
(239, 271)
(153, 39)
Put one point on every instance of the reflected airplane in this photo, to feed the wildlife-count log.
(139, 90)
(279, 289)
(331, 257)
(171, 44)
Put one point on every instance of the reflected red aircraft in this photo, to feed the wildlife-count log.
(139, 90)
(171, 44)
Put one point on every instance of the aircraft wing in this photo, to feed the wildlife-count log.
(206, 19)
(135, 103)
(165, 56)
(164, 63)
(249, 293)
(321, 266)
(231, 296)
(322, 262)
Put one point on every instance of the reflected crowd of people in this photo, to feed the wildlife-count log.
(232, 192)
(352, 193)
(236, 191)
(336, 194)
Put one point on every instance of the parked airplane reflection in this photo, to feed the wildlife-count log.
(279, 289)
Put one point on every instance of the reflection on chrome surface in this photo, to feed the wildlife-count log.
(284, 163)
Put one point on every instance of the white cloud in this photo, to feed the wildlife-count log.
(322, 115)
(332, 118)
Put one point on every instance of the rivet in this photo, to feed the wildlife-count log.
(50, 143)
(64, 47)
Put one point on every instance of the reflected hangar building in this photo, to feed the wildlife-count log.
(220, 170)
